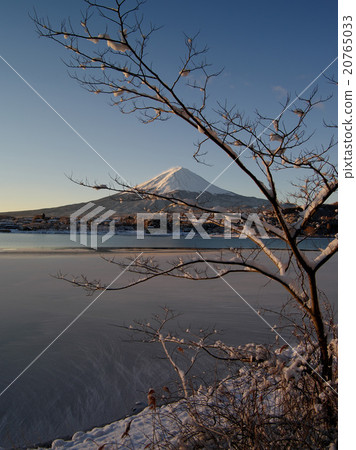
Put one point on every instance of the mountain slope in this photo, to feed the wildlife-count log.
(178, 182)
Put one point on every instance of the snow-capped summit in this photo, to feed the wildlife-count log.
(180, 179)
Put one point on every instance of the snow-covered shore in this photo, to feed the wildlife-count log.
(275, 376)
(139, 435)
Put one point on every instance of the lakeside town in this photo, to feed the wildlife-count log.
(323, 223)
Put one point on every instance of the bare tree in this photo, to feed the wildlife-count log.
(263, 395)
(113, 61)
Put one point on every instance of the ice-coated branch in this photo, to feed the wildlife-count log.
(319, 199)
(326, 254)
(114, 61)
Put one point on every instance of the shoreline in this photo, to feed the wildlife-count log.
(115, 250)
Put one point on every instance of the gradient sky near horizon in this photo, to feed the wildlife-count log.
(266, 48)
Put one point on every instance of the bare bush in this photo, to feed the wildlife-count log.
(270, 397)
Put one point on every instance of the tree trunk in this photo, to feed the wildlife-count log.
(317, 319)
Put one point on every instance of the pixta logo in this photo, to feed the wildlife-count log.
(247, 226)
(84, 228)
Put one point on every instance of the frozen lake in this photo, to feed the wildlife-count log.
(92, 375)
(36, 240)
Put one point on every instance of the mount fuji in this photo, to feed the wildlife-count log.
(177, 182)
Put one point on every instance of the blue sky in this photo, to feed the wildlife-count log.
(266, 49)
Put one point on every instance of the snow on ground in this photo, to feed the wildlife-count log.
(168, 425)
(142, 429)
